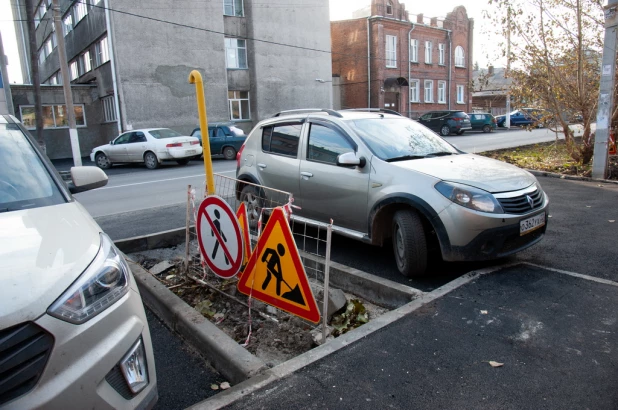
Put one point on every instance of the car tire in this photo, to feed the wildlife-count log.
(183, 161)
(229, 153)
(409, 243)
(487, 128)
(445, 131)
(254, 203)
(150, 160)
(102, 161)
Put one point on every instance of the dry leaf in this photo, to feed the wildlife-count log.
(483, 312)
(214, 387)
(496, 364)
(588, 206)
(612, 220)
(168, 277)
(224, 386)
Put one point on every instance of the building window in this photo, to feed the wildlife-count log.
(461, 94)
(441, 54)
(233, 8)
(389, 8)
(391, 51)
(428, 46)
(235, 53)
(109, 109)
(442, 92)
(428, 91)
(48, 47)
(73, 69)
(54, 116)
(101, 51)
(414, 51)
(239, 105)
(414, 90)
(460, 60)
(84, 63)
(67, 25)
(39, 13)
(81, 10)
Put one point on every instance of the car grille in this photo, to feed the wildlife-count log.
(24, 350)
(521, 204)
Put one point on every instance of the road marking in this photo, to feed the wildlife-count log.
(574, 274)
(160, 180)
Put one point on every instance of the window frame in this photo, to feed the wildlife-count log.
(239, 100)
(460, 57)
(461, 88)
(414, 54)
(430, 88)
(417, 91)
(101, 52)
(441, 54)
(109, 109)
(237, 53)
(336, 130)
(442, 92)
(233, 4)
(428, 52)
(390, 51)
(74, 70)
(53, 116)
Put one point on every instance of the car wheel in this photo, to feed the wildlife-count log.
(151, 161)
(487, 128)
(102, 161)
(183, 161)
(445, 131)
(250, 195)
(229, 153)
(409, 243)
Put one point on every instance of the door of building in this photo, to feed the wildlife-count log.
(391, 101)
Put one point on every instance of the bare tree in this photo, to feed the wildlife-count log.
(34, 64)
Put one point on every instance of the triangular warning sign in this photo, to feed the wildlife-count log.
(243, 221)
(276, 273)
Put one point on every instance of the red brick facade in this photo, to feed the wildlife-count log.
(390, 76)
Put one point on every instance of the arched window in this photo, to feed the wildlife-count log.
(460, 59)
(389, 7)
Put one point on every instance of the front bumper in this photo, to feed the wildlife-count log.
(84, 357)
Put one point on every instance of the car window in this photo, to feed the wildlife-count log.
(123, 139)
(164, 133)
(24, 180)
(326, 144)
(137, 137)
(425, 117)
(219, 133)
(460, 114)
(438, 114)
(281, 139)
(197, 134)
(397, 137)
(479, 117)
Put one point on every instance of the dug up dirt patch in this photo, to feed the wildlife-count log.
(274, 336)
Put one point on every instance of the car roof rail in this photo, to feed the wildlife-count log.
(309, 110)
(383, 110)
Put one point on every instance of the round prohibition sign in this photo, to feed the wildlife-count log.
(219, 236)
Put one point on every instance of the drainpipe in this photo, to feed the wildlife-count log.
(368, 66)
(112, 62)
(409, 70)
(450, 66)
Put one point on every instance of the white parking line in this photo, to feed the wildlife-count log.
(161, 180)
(574, 274)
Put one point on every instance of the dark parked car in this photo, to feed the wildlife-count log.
(527, 116)
(225, 139)
(446, 122)
(482, 121)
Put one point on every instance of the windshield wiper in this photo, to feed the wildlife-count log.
(440, 154)
(405, 158)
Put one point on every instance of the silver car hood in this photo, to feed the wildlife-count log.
(42, 251)
(469, 169)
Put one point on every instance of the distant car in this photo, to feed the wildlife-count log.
(150, 146)
(73, 331)
(446, 122)
(482, 121)
(527, 116)
(225, 139)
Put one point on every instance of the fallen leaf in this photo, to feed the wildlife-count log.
(495, 364)
(214, 387)
(588, 206)
(483, 312)
(224, 386)
(549, 216)
(612, 220)
(168, 277)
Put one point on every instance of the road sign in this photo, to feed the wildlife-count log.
(275, 273)
(219, 236)
(243, 220)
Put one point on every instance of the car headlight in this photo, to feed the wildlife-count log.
(104, 282)
(469, 197)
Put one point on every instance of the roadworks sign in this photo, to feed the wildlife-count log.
(275, 273)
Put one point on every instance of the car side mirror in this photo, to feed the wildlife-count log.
(349, 159)
(86, 178)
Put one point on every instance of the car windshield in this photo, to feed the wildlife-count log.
(164, 133)
(24, 180)
(400, 138)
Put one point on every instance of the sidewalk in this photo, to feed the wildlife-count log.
(65, 164)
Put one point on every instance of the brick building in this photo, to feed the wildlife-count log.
(385, 60)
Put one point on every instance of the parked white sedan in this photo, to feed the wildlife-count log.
(150, 146)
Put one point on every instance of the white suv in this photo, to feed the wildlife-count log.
(382, 177)
(73, 332)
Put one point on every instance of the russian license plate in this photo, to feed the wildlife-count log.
(530, 224)
(190, 151)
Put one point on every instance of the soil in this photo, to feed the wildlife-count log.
(273, 335)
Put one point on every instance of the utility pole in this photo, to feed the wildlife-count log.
(606, 92)
(66, 85)
(507, 118)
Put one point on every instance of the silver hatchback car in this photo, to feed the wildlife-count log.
(384, 178)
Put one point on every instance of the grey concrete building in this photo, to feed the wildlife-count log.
(134, 58)
(6, 103)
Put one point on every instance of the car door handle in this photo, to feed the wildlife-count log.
(261, 165)
(306, 174)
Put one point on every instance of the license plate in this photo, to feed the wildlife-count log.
(530, 224)
(190, 151)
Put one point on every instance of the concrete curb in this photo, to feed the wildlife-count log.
(570, 177)
(163, 239)
(230, 359)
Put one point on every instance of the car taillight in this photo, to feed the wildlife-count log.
(175, 144)
(458, 118)
(194, 142)
(238, 155)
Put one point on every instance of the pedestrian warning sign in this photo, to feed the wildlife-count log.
(219, 237)
(275, 273)
(243, 221)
